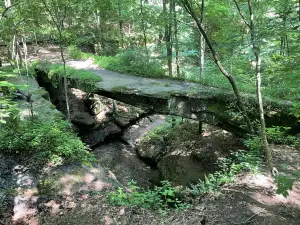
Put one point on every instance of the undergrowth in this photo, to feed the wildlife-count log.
(47, 141)
(280, 135)
(240, 161)
(8, 107)
(162, 197)
(131, 61)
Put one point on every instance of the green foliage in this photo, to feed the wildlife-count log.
(240, 161)
(295, 110)
(121, 89)
(279, 135)
(48, 140)
(188, 131)
(286, 179)
(162, 198)
(8, 108)
(284, 184)
(74, 52)
(132, 61)
(253, 143)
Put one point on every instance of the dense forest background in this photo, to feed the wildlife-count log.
(160, 38)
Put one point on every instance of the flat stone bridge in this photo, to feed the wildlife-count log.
(189, 100)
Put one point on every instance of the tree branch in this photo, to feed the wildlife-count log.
(8, 8)
(189, 8)
(240, 12)
(202, 12)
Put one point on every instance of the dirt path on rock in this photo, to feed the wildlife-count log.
(146, 85)
(113, 79)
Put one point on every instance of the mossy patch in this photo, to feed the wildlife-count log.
(123, 89)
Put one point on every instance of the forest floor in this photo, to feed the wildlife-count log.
(251, 199)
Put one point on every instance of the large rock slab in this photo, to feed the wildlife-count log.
(98, 136)
(125, 164)
(190, 156)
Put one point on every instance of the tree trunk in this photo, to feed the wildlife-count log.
(168, 34)
(256, 51)
(100, 41)
(189, 8)
(59, 24)
(65, 81)
(19, 53)
(121, 24)
(176, 40)
(13, 51)
(202, 56)
(29, 94)
(7, 3)
(202, 44)
(143, 26)
(299, 9)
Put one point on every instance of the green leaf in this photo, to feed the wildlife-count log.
(284, 184)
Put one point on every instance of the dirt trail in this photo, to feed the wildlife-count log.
(113, 79)
(146, 85)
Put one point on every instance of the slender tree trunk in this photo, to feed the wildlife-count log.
(168, 34)
(299, 9)
(121, 23)
(176, 40)
(189, 8)
(202, 56)
(202, 44)
(143, 26)
(65, 81)
(58, 21)
(19, 53)
(256, 51)
(13, 51)
(36, 43)
(100, 41)
(29, 94)
(287, 45)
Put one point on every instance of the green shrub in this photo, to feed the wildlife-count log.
(132, 61)
(253, 143)
(161, 198)
(48, 140)
(280, 135)
(74, 52)
(8, 107)
(240, 161)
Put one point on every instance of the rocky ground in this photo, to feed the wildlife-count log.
(75, 194)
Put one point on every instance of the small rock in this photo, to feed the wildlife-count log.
(71, 205)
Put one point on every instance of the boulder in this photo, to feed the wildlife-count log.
(97, 136)
(189, 157)
(106, 109)
(95, 103)
(83, 121)
(125, 165)
(182, 167)
(152, 151)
